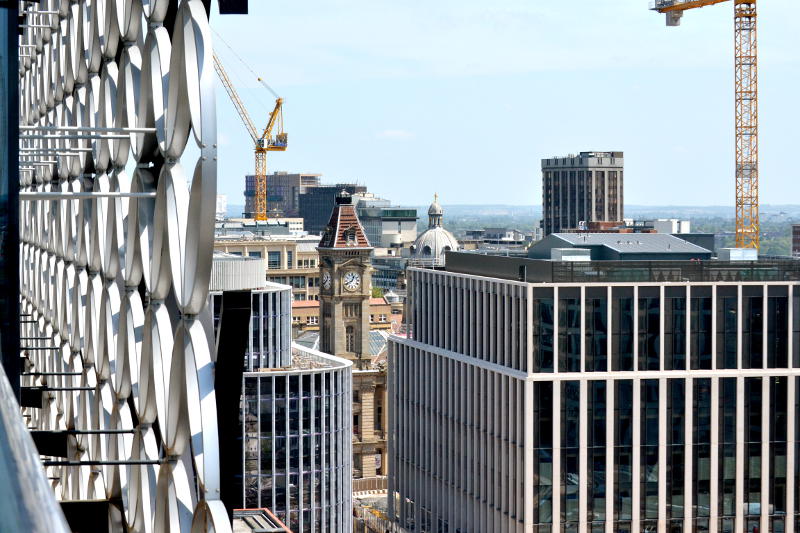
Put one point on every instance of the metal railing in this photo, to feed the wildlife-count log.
(370, 483)
(675, 271)
(27, 502)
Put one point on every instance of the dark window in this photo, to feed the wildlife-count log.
(543, 335)
(701, 447)
(700, 332)
(543, 453)
(727, 324)
(649, 449)
(752, 445)
(622, 329)
(676, 427)
(596, 334)
(569, 335)
(273, 260)
(752, 332)
(675, 330)
(649, 333)
(777, 332)
(727, 447)
(623, 450)
(570, 450)
(596, 451)
(778, 419)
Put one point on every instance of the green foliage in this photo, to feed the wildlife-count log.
(377, 292)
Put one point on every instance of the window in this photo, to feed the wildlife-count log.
(356, 396)
(273, 260)
(350, 236)
(371, 319)
(289, 259)
(296, 319)
(381, 318)
(350, 339)
(254, 254)
(312, 320)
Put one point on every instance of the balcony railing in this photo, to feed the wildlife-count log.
(27, 502)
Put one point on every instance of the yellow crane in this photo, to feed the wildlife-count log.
(266, 142)
(746, 94)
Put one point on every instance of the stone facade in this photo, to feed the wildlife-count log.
(344, 322)
(369, 423)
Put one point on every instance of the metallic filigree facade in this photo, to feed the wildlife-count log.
(116, 225)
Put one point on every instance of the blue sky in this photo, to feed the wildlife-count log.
(465, 97)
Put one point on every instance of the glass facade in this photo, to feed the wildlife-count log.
(652, 407)
(296, 439)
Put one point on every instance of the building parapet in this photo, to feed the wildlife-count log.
(546, 271)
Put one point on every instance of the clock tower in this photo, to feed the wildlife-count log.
(345, 284)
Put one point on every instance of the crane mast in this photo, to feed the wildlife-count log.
(747, 223)
(263, 143)
(746, 108)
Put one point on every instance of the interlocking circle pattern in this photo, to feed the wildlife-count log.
(116, 243)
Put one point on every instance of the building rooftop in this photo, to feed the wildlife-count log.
(639, 243)
(344, 230)
(377, 343)
(625, 271)
(306, 356)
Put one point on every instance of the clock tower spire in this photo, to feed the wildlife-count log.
(345, 284)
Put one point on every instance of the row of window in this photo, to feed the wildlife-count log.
(314, 320)
(689, 448)
(296, 282)
(275, 261)
(688, 329)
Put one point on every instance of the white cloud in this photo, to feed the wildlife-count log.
(395, 134)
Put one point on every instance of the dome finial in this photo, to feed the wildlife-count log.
(435, 212)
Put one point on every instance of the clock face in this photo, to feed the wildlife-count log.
(326, 279)
(352, 281)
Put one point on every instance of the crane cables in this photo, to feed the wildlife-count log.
(247, 66)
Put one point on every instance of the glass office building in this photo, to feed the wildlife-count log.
(296, 430)
(665, 401)
(295, 424)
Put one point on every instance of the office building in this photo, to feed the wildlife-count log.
(315, 204)
(599, 396)
(386, 226)
(283, 193)
(582, 188)
(289, 261)
(292, 442)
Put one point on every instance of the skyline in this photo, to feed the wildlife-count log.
(407, 96)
